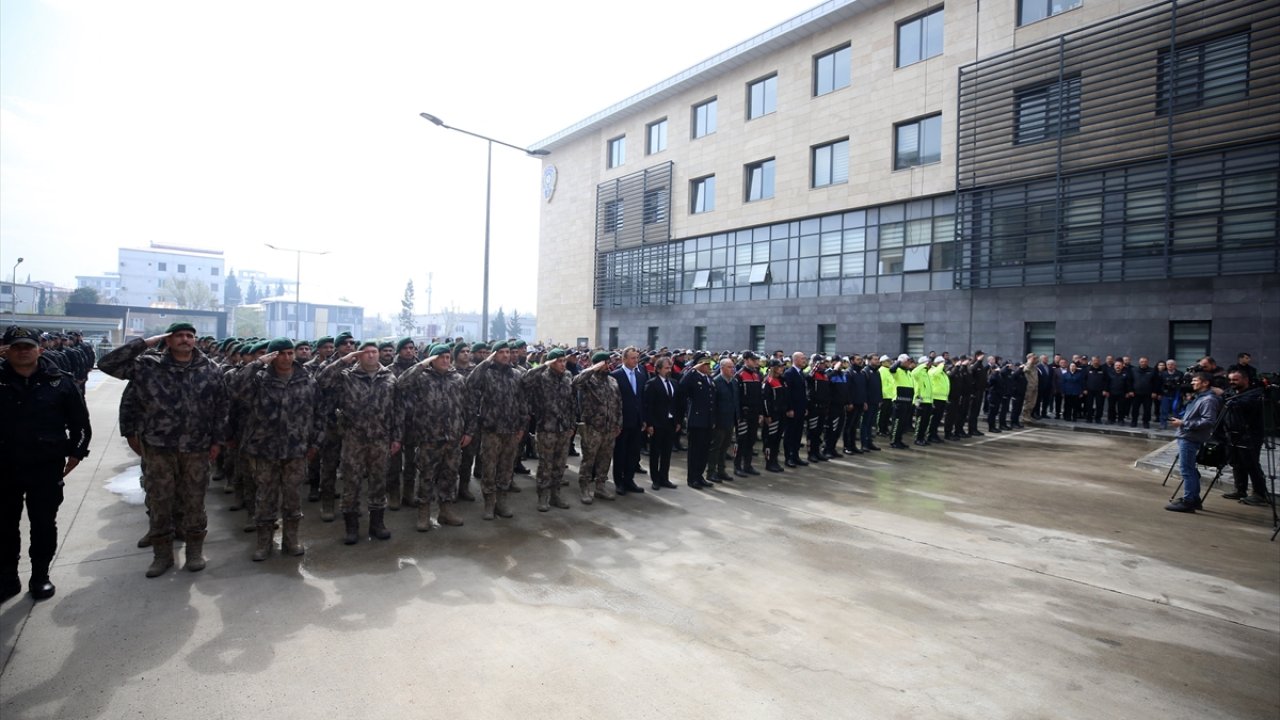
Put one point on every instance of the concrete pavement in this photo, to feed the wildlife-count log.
(1032, 574)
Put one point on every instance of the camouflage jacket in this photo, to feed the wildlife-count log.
(400, 366)
(130, 411)
(184, 406)
(600, 400)
(496, 401)
(551, 398)
(279, 419)
(365, 402)
(434, 405)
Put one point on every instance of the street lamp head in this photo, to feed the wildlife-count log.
(432, 118)
(538, 153)
(19, 262)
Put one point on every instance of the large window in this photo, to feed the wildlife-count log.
(918, 142)
(762, 97)
(1046, 111)
(913, 339)
(1205, 74)
(920, 38)
(613, 216)
(655, 205)
(1030, 11)
(652, 337)
(1040, 338)
(704, 118)
(613, 338)
(702, 194)
(656, 136)
(699, 337)
(617, 151)
(831, 70)
(759, 178)
(831, 163)
(757, 339)
(827, 339)
(1188, 342)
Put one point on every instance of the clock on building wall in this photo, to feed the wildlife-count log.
(549, 175)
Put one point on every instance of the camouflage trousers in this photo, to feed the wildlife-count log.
(329, 460)
(597, 454)
(364, 465)
(245, 480)
(176, 483)
(402, 471)
(553, 450)
(497, 460)
(437, 468)
(469, 460)
(279, 488)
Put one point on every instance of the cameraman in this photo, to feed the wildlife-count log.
(1242, 427)
(1194, 429)
(1217, 376)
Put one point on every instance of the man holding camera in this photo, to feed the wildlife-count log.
(1194, 429)
(1242, 425)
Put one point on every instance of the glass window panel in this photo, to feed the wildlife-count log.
(855, 239)
(931, 139)
(890, 261)
(919, 232)
(779, 251)
(909, 38)
(1199, 233)
(1197, 197)
(944, 256)
(916, 259)
(908, 146)
(1249, 229)
(1245, 191)
(853, 265)
(944, 228)
(704, 118)
(829, 266)
(831, 243)
(892, 235)
(933, 34)
(1140, 204)
(808, 246)
(759, 273)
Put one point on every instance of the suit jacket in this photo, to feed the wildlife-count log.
(797, 390)
(699, 393)
(661, 410)
(632, 402)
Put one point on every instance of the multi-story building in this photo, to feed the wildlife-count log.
(148, 277)
(107, 286)
(282, 314)
(1025, 175)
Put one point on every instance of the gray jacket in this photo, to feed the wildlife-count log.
(1199, 417)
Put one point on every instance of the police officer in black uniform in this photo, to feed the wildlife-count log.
(750, 412)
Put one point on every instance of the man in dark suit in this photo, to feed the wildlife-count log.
(626, 451)
(661, 408)
(798, 396)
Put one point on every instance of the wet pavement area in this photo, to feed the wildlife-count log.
(1032, 574)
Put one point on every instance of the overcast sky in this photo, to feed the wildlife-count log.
(228, 125)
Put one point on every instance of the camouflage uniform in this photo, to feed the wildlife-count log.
(499, 413)
(281, 420)
(468, 464)
(436, 417)
(402, 470)
(552, 402)
(601, 404)
(325, 465)
(368, 422)
(184, 415)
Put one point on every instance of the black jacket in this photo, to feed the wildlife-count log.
(660, 410)
(632, 403)
(699, 395)
(42, 417)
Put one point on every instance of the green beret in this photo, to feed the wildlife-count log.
(302, 343)
(459, 347)
(402, 342)
(480, 346)
(180, 326)
(501, 345)
(227, 344)
(280, 343)
(343, 337)
(244, 348)
(600, 357)
(386, 346)
(366, 344)
(258, 347)
(555, 354)
(517, 344)
(438, 350)
(323, 340)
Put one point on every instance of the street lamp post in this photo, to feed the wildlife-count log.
(13, 284)
(488, 197)
(297, 288)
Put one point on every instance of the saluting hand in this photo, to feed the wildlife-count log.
(155, 340)
(266, 359)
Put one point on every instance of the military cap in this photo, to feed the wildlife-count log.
(386, 345)
(700, 358)
(302, 343)
(480, 346)
(366, 344)
(16, 335)
(245, 348)
(600, 357)
(180, 326)
(517, 344)
(773, 363)
(501, 345)
(280, 343)
(555, 354)
(258, 347)
(402, 342)
(323, 340)
(437, 350)
(343, 337)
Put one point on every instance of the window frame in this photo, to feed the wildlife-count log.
(1049, 12)
(834, 54)
(919, 121)
(615, 159)
(661, 127)
(922, 18)
(831, 163)
(1199, 45)
(768, 176)
(698, 189)
(709, 118)
(764, 96)
(1052, 110)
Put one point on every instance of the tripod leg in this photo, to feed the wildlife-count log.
(1212, 482)
(1169, 474)
(1176, 491)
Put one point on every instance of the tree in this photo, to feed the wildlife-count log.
(449, 320)
(85, 295)
(514, 327)
(190, 294)
(279, 289)
(43, 302)
(498, 327)
(406, 310)
(253, 296)
(248, 322)
(231, 296)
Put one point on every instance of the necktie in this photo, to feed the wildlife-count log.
(632, 375)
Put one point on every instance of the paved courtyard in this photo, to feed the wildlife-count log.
(1025, 575)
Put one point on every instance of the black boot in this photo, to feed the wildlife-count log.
(352, 520)
(377, 529)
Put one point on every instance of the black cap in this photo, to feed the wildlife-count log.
(748, 355)
(773, 363)
(15, 335)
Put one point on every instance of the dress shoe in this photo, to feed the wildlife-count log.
(711, 479)
(749, 470)
(635, 489)
(975, 433)
(1235, 495)
(798, 461)
(898, 446)
(665, 484)
(791, 464)
(723, 477)
(1256, 500)
(1181, 505)
(641, 471)
(871, 447)
(852, 451)
(699, 483)
(521, 469)
(920, 443)
(773, 467)
(935, 439)
(41, 589)
(994, 430)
